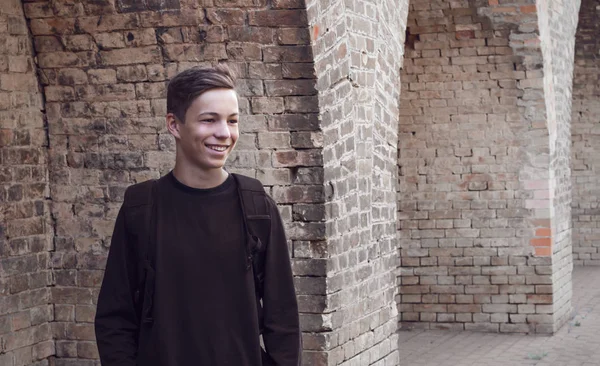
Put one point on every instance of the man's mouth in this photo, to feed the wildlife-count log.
(219, 148)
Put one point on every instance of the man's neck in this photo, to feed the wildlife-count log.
(199, 178)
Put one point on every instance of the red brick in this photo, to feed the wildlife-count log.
(541, 242)
(546, 232)
(528, 9)
(543, 251)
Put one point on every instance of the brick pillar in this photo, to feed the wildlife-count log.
(558, 23)
(483, 193)
(25, 223)
(356, 48)
(586, 136)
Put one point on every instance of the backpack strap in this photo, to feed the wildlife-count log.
(257, 222)
(141, 208)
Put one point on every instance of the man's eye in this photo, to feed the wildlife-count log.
(208, 120)
(233, 121)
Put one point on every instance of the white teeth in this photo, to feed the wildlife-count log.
(217, 148)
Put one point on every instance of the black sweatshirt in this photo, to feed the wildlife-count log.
(204, 310)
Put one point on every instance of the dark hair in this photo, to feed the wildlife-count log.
(186, 86)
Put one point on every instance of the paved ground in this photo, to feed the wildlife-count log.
(576, 344)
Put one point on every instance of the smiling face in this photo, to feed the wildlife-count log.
(210, 130)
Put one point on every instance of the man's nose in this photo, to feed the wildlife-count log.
(223, 131)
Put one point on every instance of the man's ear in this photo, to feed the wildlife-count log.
(173, 125)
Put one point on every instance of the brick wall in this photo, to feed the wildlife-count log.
(558, 24)
(104, 67)
(482, 204)
(25, 224)
(474, 194)
(586, 137)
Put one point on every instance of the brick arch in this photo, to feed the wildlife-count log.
(25, 222)
(104, 66)
(586, 146)
(481, 229)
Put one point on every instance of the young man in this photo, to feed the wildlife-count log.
(196, 300)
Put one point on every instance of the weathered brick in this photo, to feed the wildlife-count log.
(287, 54)
(72, 77)
(261, 35)
(47, 44)
(132, 73)
(63, 59)
(301, 104)
(112, 22)
(105, 92)
(226, 16)
(244, 52)
(293, 122)
(265, 71)
(102, 76)
(306, 140)
(140, 38)
(267, 105)
(298, 70)
(295, 158)
(150, 90)
(277, 140)
(107, 41)
(289, 87)
(150, 54)
(276, 18)
(293, 36)
(52, 26)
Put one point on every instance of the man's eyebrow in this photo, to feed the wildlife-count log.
(216, 114)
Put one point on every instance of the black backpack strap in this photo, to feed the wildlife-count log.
(257, 222)
(150, 256)
(140, 204)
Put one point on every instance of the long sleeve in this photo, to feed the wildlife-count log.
(281, 334)
(116, 322)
